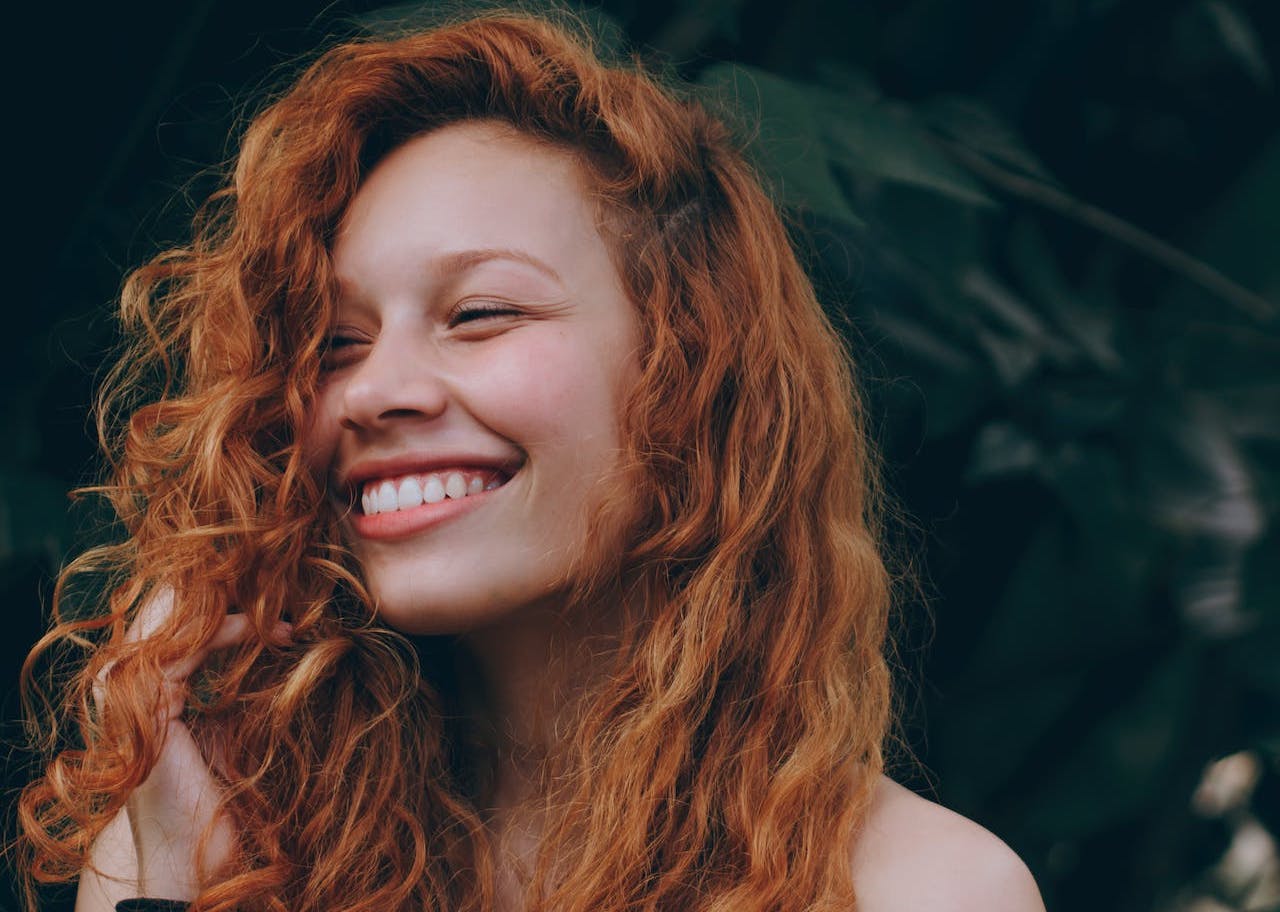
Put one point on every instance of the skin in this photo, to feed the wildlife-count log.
(535, 386)
(444, 346)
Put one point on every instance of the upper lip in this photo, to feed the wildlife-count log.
(362, 470)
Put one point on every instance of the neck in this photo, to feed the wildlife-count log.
(532, 669)
(531, 665)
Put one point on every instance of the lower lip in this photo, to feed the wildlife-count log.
(404, 523)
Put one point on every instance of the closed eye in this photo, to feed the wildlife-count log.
(473, 311)
(339, 350)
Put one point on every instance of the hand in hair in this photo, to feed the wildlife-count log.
(177, 803)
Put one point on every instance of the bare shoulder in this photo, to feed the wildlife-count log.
(915, 854)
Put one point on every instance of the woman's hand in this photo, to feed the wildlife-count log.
(169, 811)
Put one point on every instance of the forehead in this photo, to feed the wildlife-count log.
(476, 184)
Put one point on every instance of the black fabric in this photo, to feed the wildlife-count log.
(150, 905)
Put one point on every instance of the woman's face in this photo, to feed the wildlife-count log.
(469, 403)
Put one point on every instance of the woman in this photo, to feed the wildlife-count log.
(503, 535)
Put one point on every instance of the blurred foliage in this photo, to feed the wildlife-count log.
(1050, 231)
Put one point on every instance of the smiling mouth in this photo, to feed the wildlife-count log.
(407, 492)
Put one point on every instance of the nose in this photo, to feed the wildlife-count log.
(397, 380)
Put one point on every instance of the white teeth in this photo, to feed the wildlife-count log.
(433, 491)
(387, 498)
(415, 490)
(409, 495)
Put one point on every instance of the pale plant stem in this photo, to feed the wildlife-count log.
(1169, 256)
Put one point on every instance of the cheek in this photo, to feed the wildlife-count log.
(523, 371)
(318, 438)
(559, 391)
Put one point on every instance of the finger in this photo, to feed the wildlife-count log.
(157, 610)
(234, 630)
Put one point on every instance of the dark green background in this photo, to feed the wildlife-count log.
(1051, 230)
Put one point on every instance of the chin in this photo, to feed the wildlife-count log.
(443, 613)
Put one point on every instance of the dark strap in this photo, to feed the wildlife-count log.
(150, 905)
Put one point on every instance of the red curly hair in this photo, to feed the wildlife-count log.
(728, 760)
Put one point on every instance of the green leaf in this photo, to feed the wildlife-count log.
(1197, 480)
(1000, 302)
(984, 737)
(1250, 411)
(922, 344)
(931, 243)
(1002, 449)
(975, 125)
(1256, 654)
(695, 22)
(785, 135)
(1057, 609)
(1013, 334)
(941, 379)
(883, 142)
(1013, 360)
(1116, 769)
(1086, 323)
(1240, 234)
(1079, 405)
(399, 19)
(1240, 38)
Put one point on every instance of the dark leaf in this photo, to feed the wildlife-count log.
(1250, 412)
(1088, 324)
(1255, 656)
(1002, 449)
(1012, 359)
(606, 32)
(882, 142)
(1239, 37)
(788, 139)
(930, 240)
(696, 22)
(975, 125)
(1240, 234)
(1196, 479)
(1118, 767)
(1057, 612)
(1014, 717)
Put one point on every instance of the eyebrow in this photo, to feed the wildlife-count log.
(460, 261)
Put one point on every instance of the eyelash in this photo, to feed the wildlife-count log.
(331, 358)
(470, 311)
(466, 312)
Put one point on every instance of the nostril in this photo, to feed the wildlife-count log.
(390, 384)
(401, 412)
